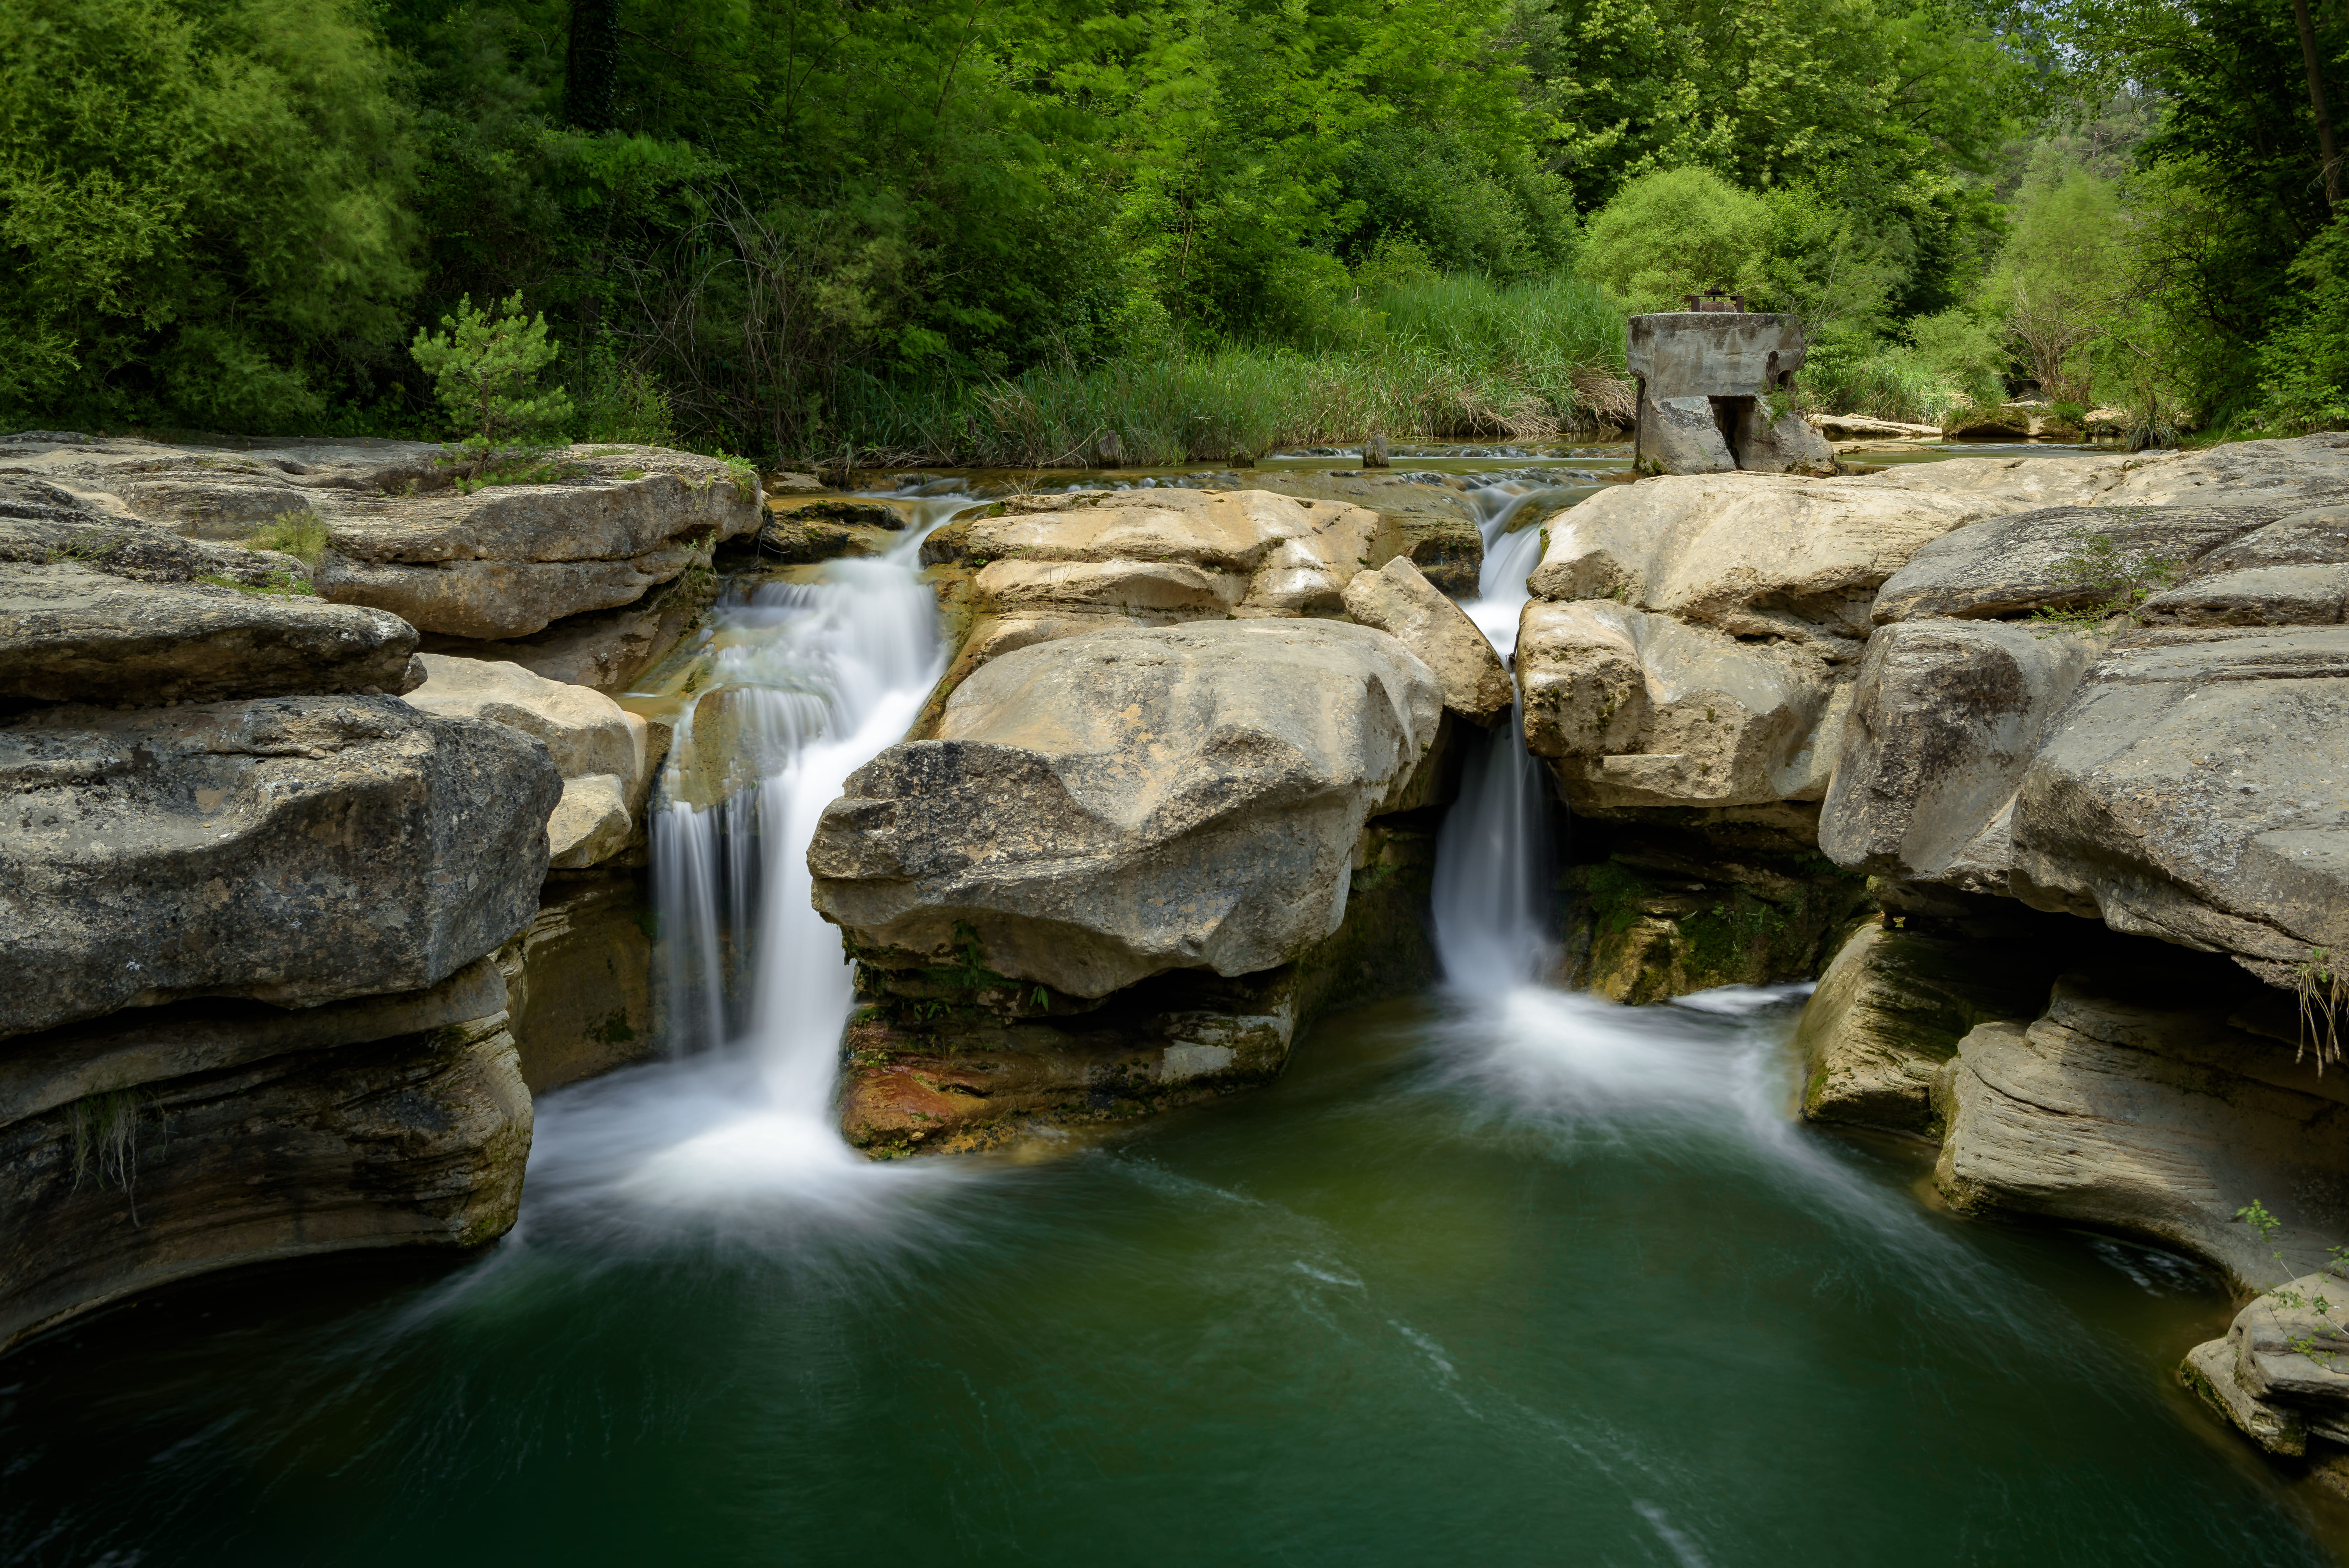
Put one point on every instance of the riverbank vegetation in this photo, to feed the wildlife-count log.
(1010, 230)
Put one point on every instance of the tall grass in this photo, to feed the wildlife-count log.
(1431, 357)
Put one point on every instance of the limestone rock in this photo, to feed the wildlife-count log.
(606, 650)
(1400, 602)
(2137, 1103)
(1755, 555)
(99, 607)
(2196, 788)
(2015, 565)
(1862, 427)
(296, 850)
(2290, 476)
(1174, 554)
(604, 524)
(1945, 718)
(1637, 709)
(1679, 436)
(2254, 597)
(1104, 807)
(579, 981)
(599, 747)
(217, 1134)
(1891, 1008)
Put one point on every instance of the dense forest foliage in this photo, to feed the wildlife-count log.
(1003, 230)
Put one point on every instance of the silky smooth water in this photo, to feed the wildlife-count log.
(1536, 1280)
(1499, 1274)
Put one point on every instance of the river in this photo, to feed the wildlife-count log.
(1495, 1274)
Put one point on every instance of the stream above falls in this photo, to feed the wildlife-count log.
(1496, 1272)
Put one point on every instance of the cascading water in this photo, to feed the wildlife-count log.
(1491, 895)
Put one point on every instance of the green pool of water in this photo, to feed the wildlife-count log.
(1540, 1283)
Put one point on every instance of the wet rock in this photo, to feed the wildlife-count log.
(1104, 807)
(600, 749)
(295, 849)
(947, 1060)
(1636, 709)
(1398, 601)
(1666, 902)
(1945, 717)
(1890, 1010)
(2280, 1375)
(579, 981)
(2156, 1101)
(2196, 788)
(210, 1134)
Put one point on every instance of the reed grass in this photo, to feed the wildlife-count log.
(1890, 383)
(1425, 359)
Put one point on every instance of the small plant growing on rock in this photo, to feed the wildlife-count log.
(2106, 584)
(300, 535)
(485, 367)
(2256, 1215)
(105, 1131)
(2323, 990)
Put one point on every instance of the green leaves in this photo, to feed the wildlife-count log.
(485, 367)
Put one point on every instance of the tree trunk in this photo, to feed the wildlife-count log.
(592, 70)
(2317, 101)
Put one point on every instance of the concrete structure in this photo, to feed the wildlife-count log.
(1706, 377)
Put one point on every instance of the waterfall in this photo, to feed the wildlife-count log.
(800, 683)
(1491, 896)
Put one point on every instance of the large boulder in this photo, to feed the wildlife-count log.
(598, 746)
(406, 531)
(98, 606)
(2158, 1102)
(1166, 554)
(296, 850)
(1755, 555)
(2278, 1374)
(203, 1135)
(2046, 559)
(1100, 808)
(1397, 599)
(1945, 718)
(2289, 475)
(2196, 788)
(1635, 709)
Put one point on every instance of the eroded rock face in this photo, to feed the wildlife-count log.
(2196, 788)
(599, 747)
(608, 523)
(1945, 718)
(2141, 1101)
(2280, 1373)
(1890, 1010)
(1755, 555)
(215, 1134)
(1398, 601)
(296, 849)
(1635, 709)
(1101, 809)
(97, 606)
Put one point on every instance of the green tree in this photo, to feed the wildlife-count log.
(201, 210)
(485, 367)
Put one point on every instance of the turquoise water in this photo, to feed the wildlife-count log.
(1540, 1282)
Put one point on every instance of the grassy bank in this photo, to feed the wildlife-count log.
(1452, 356)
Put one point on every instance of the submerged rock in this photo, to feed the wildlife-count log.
(1100, 809)
(296, 850)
